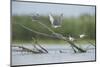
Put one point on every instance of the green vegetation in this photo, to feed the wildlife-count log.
(56, 42)
(70, 26)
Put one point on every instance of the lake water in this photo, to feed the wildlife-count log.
(54, 56)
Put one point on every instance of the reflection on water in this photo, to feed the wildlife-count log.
(54, 55)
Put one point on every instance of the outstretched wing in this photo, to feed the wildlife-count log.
(61, 18)
(51, 19)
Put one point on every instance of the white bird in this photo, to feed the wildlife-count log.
(71, 38)
(82, 35)
(55, 22)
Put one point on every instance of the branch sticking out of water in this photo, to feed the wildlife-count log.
(56, 36)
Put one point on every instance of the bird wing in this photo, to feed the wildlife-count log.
(51, 18)
(60, 18)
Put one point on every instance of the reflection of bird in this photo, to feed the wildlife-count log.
(82, 35)
(71, 38)
(55, 22)
(35, 17)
